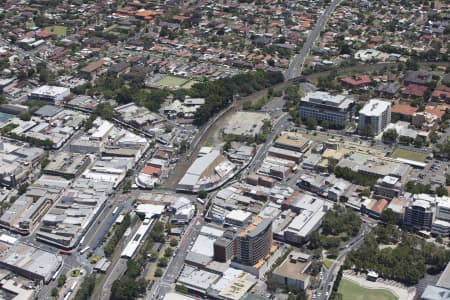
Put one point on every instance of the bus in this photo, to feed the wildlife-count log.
(65, 252)
(115, 210)
(200, 200)
(82, 240)
(82, 251)
(56, 274)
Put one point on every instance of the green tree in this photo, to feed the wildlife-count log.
(365, 193)
(173, 242)
(26, 116)
(181, 289)
(311, 123)
(163, 261)
(202, 194)
(86, 288)
(23, 188)
(333, 253)
(368, 130)
(62, 280)
(419, 141)
(127, 288)
(54, 292)
(168, 252)
(390, 136)
(325, 124)
(159, 272)
(388, 216)
(441, 191)
(134, 268)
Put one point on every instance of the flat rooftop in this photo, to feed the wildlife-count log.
(32, 260)
(294, 269)
(374, 107)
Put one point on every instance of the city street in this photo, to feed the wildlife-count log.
(296, 66)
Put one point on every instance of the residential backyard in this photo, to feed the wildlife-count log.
(60, 31)
(352, 291)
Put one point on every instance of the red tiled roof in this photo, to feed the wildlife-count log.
(380, 206)
(438, 111)
(442, 91)
(150, 170)
(357, 80)
(414, 90)
(44, 34)
(404, 109)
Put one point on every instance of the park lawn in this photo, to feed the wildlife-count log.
(172, 81)
(352, 291)
(411, 155)
(59, 31)
(328, 263)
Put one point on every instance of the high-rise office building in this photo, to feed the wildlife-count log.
(254, 243)
(374, 117)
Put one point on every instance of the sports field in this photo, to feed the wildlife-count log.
(411, 155)
(59, 31)
(352, 291)
(172, 81)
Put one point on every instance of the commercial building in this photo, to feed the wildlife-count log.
(375, 115)
(138, 116)
(74, 212)
(206, 172)
(30, 262)
(338, 189)
(374, 207)
(26, 212)
(223, 249)
(311, 211)
(387, 187)
(17, 160)
(238, 217)
(293, 271)
(196, 279)
(292, 141)
(375, 167)
(285, 154)
(254, 243)
(322, 106)
(419, 215)
(54, 94)
(66, 164)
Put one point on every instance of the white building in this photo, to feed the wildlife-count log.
(322, 106)
(377, 114)
(50, 93)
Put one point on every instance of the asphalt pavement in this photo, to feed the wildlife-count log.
(166, 283)
(296, 66)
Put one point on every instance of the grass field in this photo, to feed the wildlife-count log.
(172, 81)
(60, 31)
(411, 155)
(352, 291)
(328, 263)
